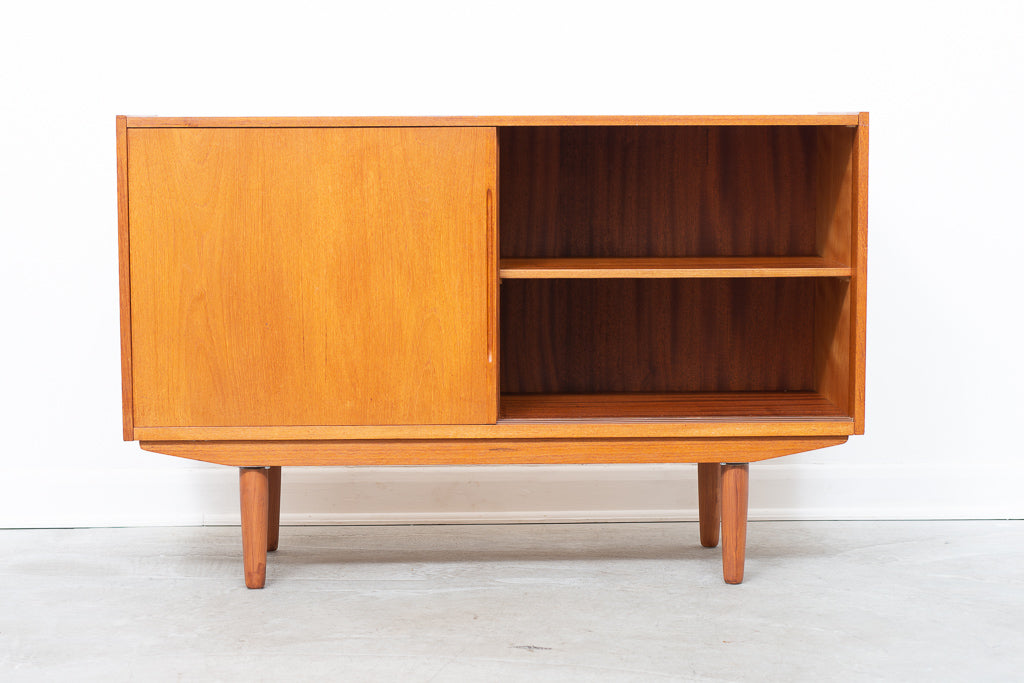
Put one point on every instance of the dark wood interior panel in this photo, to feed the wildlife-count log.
(658, 191)
(608, 336)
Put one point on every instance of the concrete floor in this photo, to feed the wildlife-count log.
(822, 601)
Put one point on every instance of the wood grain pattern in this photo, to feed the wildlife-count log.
(273, 507)
(494, 285)
(693, 267)
(738, 405)
(834, 198)
(522, 429)
(832, 310)
(486, 121)
(325, 291)
(311, 276)
(254, 501)
(488, 451)
(735, 477)
(610, 336)
(858, 341)
(124, 280)
(709, 484)
(617, 192)
(832, 342)
(492, 280)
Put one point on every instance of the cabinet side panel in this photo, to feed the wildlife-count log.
(124, 280)
(834, 200)
(859, 280)
(832, 356)
(310, 276)
(836, 179)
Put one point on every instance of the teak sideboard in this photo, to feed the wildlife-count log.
(492, 290)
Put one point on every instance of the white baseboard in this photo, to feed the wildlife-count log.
(504, 494)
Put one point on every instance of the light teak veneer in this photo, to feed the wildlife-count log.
(492, 290)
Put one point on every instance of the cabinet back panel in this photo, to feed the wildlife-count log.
(658, 191)
(597, 336)
(310, 276)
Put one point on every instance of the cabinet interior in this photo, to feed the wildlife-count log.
(675, 272)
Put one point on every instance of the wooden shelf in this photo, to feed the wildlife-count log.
(745, 405)
(693, 267)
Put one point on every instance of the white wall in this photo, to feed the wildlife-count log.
(943, 84)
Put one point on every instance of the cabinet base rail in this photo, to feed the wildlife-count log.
(722, 488)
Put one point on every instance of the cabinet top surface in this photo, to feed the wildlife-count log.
(414, 121)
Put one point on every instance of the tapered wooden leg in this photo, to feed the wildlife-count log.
(734, 520)
(274, 512)
(708, 486)
(254, 493)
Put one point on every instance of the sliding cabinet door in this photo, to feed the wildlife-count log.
(312, 276)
